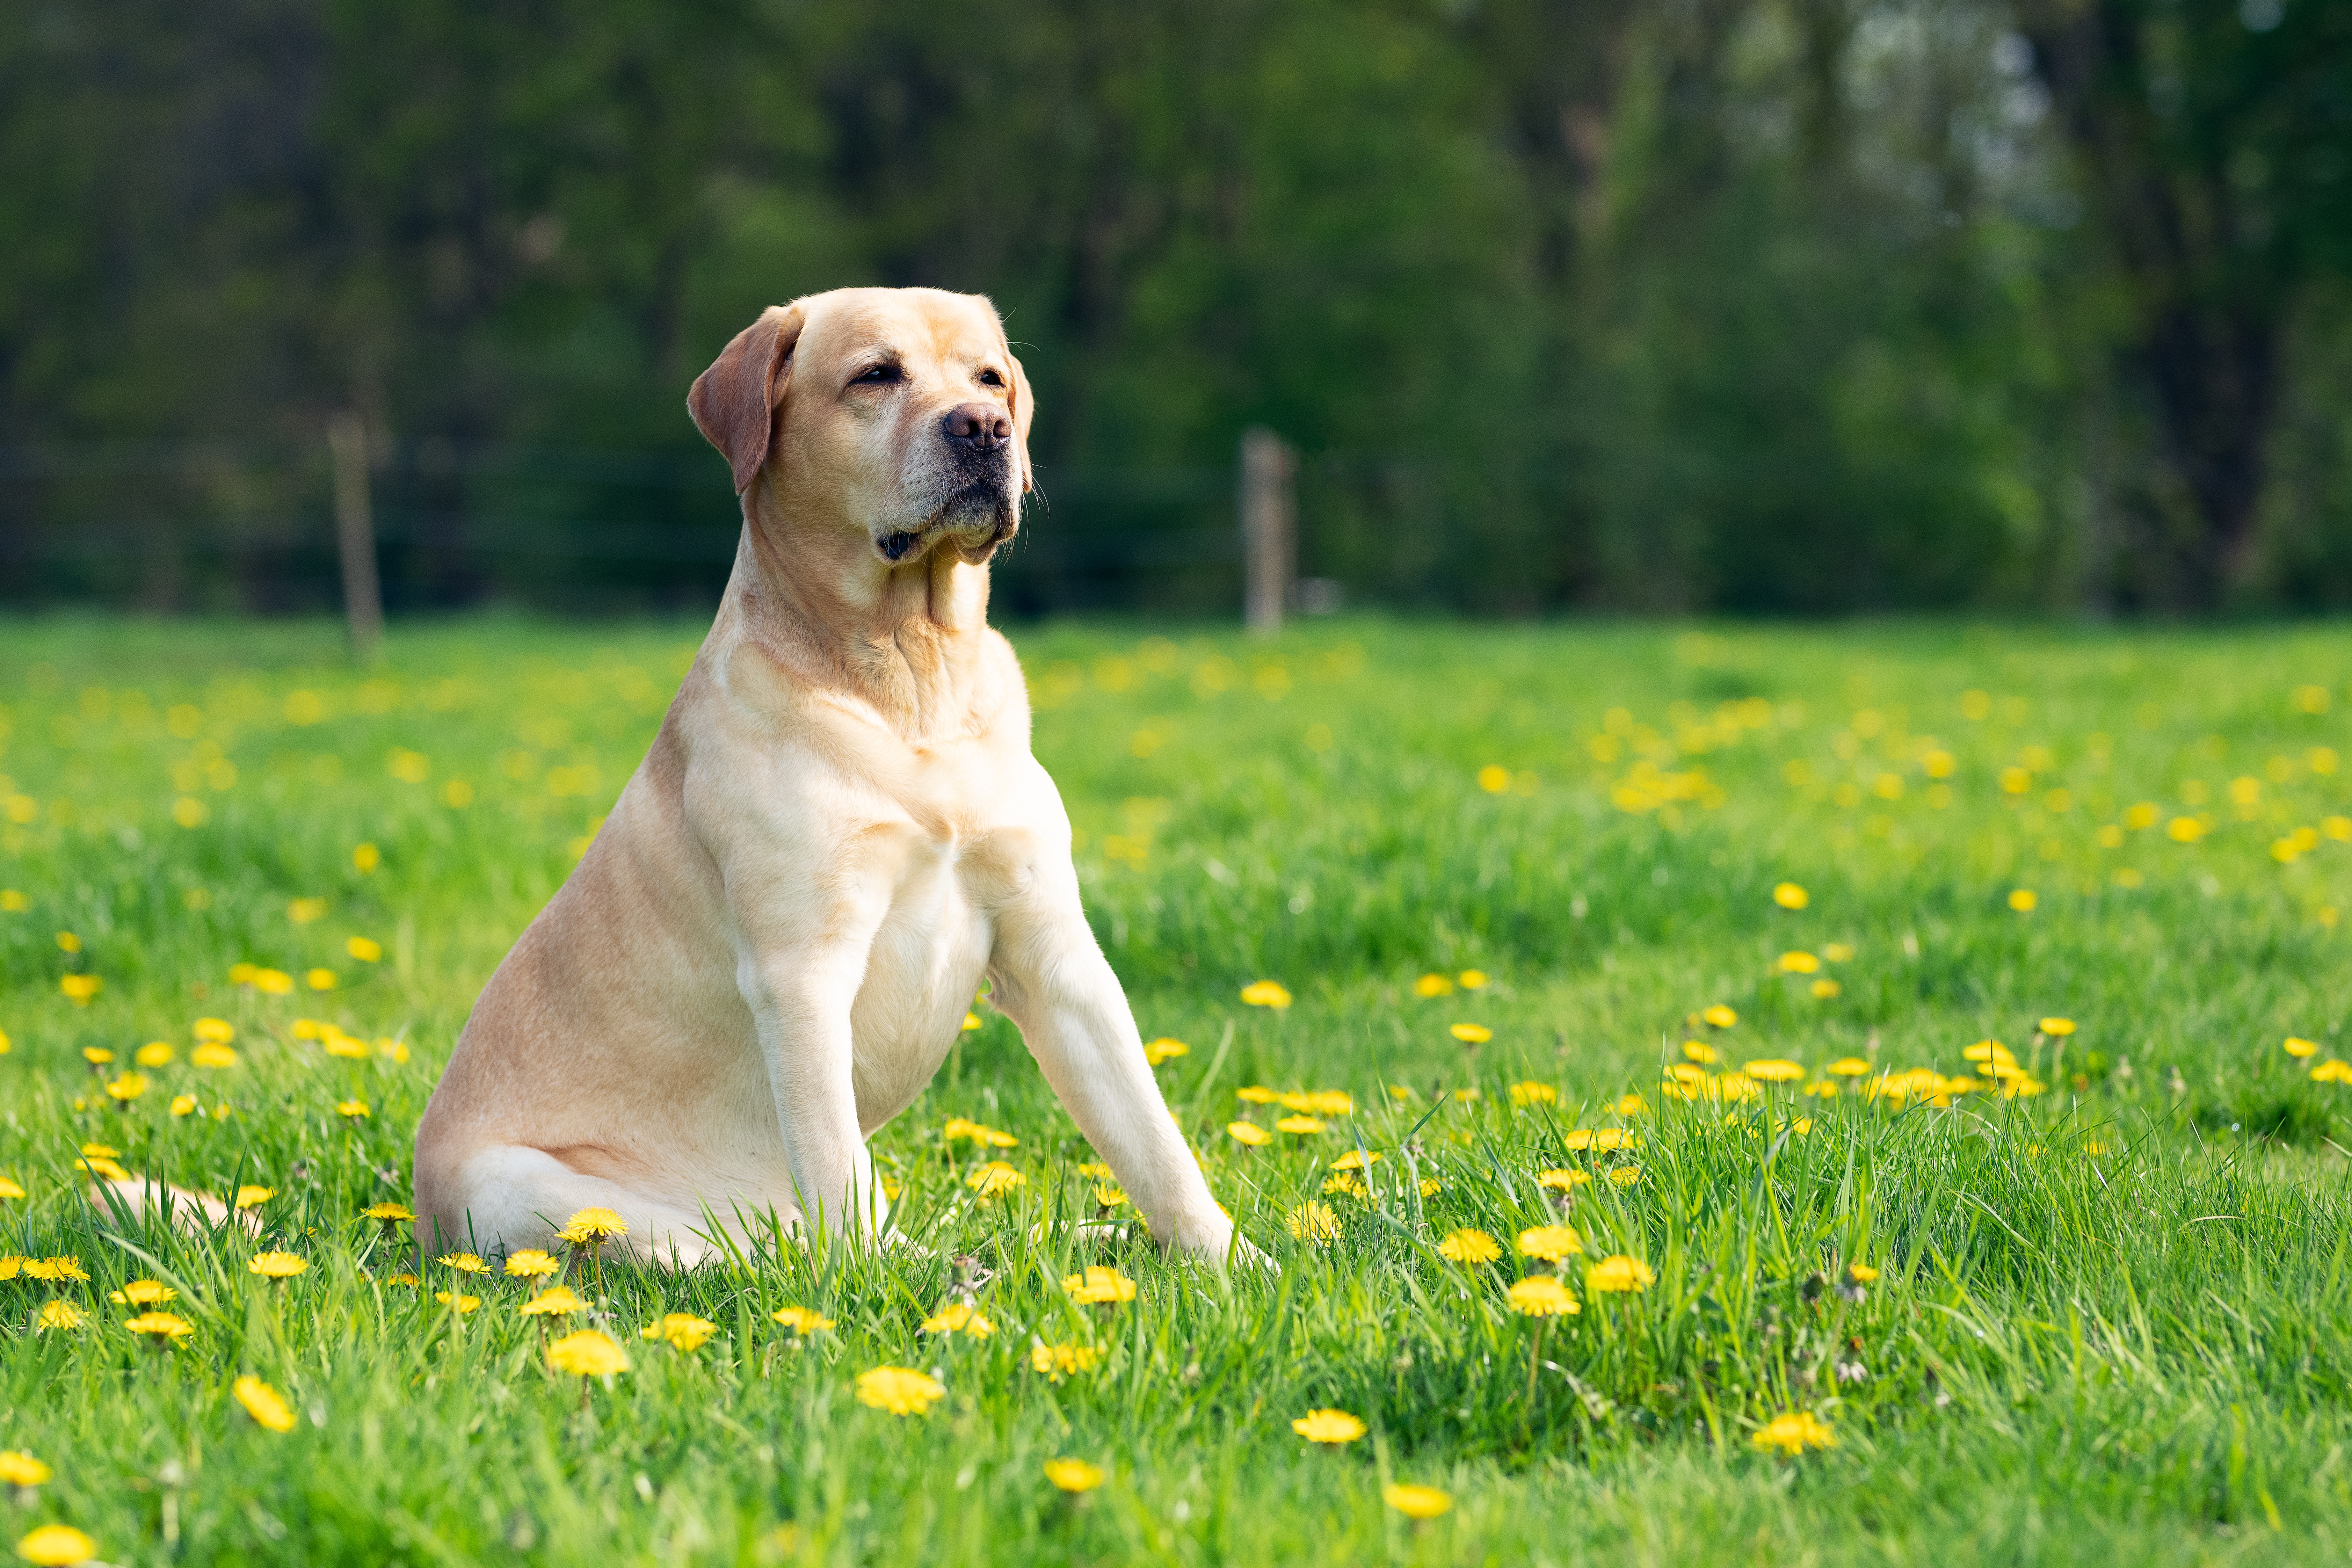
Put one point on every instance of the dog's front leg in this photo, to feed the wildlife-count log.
(800, 978)
(1050, 977)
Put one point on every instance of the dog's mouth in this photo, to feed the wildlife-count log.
(979, 518)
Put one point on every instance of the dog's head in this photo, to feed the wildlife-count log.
(899, 413)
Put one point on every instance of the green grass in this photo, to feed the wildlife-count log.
(2111, 1320)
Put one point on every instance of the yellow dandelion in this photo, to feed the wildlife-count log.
(1060, 1361)
(530, 1263)
(464, 1263)
(1333, 1426)
(1850, 1067)
(2300, 1049)
(1625, 1176)
(19, 1468)
(2024, 900)
(277, 1265)
(58, 1270)
(1074, 1475)
(214, 1054)
(2058, 1028)
(1248, 1133)
(10, 1189)
(264, 1404)
(1861, 1273)
(350, 1109)
(56, 1546)
(1797, 962)
(803, 1320)
(1789, 896)
(593, 1227)
(1471, 1033)
(1257, 1094)
(1470, 1246)
(160, 1328)
(587, 1353)
(1600, 1140)
(900, 1390)
(1099, 1285)
(1774, 1069)
(60, 1315)
(1619, 1275)
(1164, 1049)
(250, 1196)
(555, 1302)
(1720, 1016)
(1542, 1296)
(143, 1293)
(457, 1301)
(964, 1130)
(1792, 1433)
(1562, 1181)
(1417, 1502)
(1701, 1052)
(1301, 1125)
(1433, 986)
(1265, 994)
(994, 1178)
(1313, 1222)
(683, 1330)
(1473, 979)
(959, 1318)
(1550, 1242)
(1524, 1095)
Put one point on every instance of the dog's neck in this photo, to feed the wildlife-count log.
(906, 639)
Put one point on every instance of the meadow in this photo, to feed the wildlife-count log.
(1729, 1094)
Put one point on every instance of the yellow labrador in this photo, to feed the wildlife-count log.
(769, 949)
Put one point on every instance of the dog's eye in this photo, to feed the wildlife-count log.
(990, 378)
(880, 376)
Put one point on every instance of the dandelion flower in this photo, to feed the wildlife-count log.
(1625, 1176)
(1417, 1502)
(2300, 1049)
(1701, 1052)
(1333, 1426)
(530, 1263)
(1473, 979)
(1471, 1033)
(1861, 1273)
(1255, 1094)
(994, 1178)
(142, 1293)
(212, 1054)
(959, 1318)
(593, 1227)
(588, 1352)
(457, 1302)
(1524, 1095)
(1797, 962)
(155, 1053)
(1302, 1125)
(900, 1390)
(2329, 1071)
(2058, 1028)
(1720, 1016)
(1850, 1067)
(1825, 989)
(1099, 1285)
(10, 1189)
(1550, 1242)
(56, 1546)
(184, 1105)
(684, 1331)
(277, 1265)
(1073, 1474)
(19, 1468)
(1470, 1246)
(1793, 1433)
(961, 1128)
(1774, 1069)
(1430, 986)
(1562, 1181)
(249, 1197)
(1060, 1361)
(1789, 896)
(365, 950)
(79, 988)
(1542, 1296)
(57, 1270)
(801, 1320)
(162, 1328)
(555, 1302)
(60, 1315)
(1164, 1049)
(264, 1404)
(1619, 1275)
(1347, 1184)
(1600, 1140)
(1248, 1135)
(1313, 1222)
(1265, 994)
(2024, 900)
(1357, 1160)
(350, 1109)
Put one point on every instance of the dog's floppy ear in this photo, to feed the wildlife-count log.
(1024, 404)
(734, 401)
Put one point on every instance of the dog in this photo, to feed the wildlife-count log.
(771, 944)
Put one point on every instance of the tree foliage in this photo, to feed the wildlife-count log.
(1747, 305)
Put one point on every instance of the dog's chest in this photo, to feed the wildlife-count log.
(925, 964)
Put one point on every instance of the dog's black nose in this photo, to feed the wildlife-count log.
(977, 425)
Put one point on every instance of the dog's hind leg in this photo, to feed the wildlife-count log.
(508, 1196)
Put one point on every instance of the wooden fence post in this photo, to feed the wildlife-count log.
(1269, 529)
(355, 535)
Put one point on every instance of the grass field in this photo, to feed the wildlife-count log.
(2110, 1314)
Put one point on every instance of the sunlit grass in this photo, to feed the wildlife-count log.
(2079, 1298)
